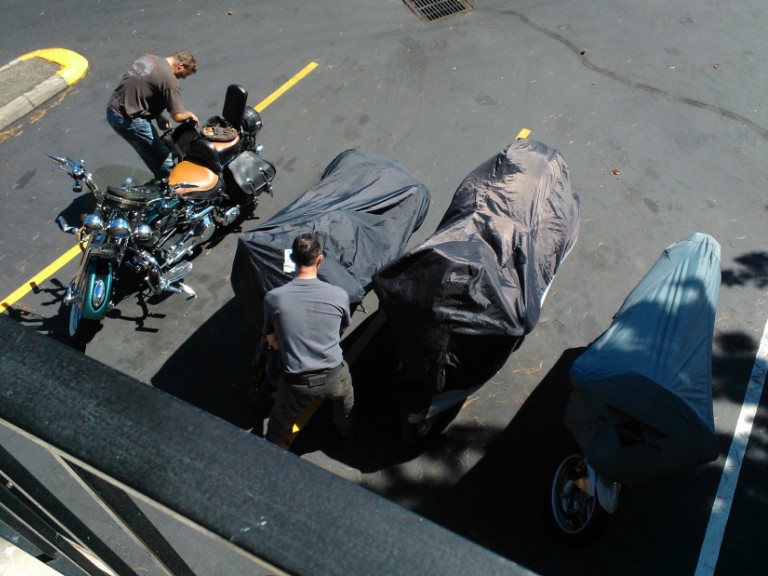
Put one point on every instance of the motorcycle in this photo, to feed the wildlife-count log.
(458, 304)
(150, 229)
(641, 404)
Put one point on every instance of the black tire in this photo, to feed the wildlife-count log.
(76, 330)
(424, 430)
(577, 516)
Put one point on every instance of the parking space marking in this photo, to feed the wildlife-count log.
(40, 277)
(721, 508)
(62, 260)
(523, 134)
(285, 87)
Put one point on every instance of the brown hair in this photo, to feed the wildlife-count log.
(187, 58)
(305, 250)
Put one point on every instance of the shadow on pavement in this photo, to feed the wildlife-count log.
(211, 370)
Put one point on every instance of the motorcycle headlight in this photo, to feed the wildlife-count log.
(93, 223)
(119, 228)
(142, 233)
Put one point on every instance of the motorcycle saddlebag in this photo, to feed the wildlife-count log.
(248, 176)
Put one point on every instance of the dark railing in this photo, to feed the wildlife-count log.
(102, 474)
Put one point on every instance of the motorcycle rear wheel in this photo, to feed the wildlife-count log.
(578, 517)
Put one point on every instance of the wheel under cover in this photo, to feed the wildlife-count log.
(575, 509)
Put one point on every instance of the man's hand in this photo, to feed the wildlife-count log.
(272, 341)
(163, 123)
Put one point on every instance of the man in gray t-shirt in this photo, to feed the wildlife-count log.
(146, 90)
(303, 321)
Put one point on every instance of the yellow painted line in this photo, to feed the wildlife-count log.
(40, 277)
(304, 418)
(523, 134)
(285, 87)
(73, 65)
(60, 262)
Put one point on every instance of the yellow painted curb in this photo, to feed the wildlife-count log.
(74, 66)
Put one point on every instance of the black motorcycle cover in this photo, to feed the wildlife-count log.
(460, 302)
(642, 393)
(365, 208)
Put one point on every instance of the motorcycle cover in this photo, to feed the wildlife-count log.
(458, 303)
(365, 208)
(642, 393)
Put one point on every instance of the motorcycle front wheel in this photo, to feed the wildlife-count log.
(76, 330)
(578, 517)
(95, 289)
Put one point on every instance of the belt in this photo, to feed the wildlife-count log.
(312, 379)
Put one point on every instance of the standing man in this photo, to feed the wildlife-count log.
(303, 321)
(148, 88)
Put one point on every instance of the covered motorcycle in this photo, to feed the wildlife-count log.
(641, 404)
(460, 302)
(365, 208)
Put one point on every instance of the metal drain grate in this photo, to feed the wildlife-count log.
(431, 10)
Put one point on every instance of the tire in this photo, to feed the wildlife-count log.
(578, 517)
(81, 320)
(76, 330)
(424, 431)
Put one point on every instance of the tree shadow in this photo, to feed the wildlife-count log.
(753, 269)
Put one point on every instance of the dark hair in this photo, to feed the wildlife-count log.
(186, 57)
(305, 250)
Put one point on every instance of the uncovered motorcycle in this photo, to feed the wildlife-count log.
(150, 229)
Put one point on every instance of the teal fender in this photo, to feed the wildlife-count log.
(97, 289)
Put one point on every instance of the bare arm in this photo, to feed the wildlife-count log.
(184, 115)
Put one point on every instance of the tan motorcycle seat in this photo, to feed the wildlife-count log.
(203, 184)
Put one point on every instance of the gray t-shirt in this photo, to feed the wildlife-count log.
(147, 89)
(307, 315)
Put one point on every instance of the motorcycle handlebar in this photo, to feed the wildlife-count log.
(76, 170)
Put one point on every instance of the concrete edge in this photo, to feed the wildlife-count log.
(73, 68)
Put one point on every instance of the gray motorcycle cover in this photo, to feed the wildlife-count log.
(365, 208)
(642, 393)
(459, 303)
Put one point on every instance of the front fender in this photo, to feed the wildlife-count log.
(97, 289)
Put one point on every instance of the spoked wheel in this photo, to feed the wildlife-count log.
(77, 331)
(75, 317)
(578, 516)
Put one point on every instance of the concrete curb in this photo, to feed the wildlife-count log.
(73, 68)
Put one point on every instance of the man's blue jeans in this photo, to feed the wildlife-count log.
(143, 136)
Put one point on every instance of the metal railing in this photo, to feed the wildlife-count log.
(102, 474)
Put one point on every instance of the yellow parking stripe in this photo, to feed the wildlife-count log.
(40, 277)
(285, 87)
(62, 260)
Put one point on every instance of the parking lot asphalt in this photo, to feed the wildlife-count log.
(659, 118)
